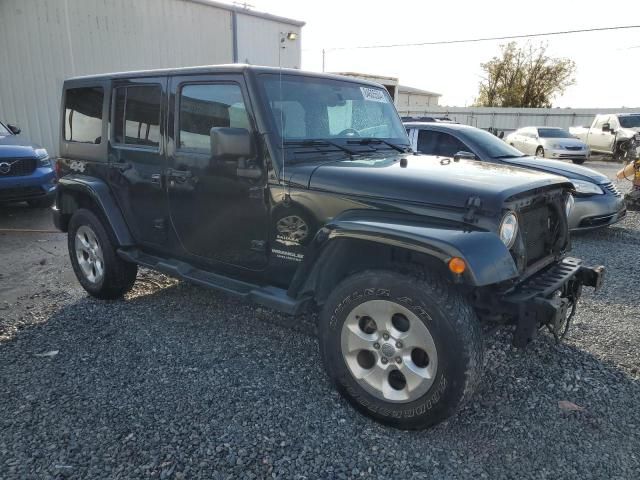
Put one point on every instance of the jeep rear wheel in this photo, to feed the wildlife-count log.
(402, 349)
(94, 259)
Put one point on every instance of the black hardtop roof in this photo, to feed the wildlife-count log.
(205, 69)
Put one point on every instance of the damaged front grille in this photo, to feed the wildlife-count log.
(535, 227)
(541, 228)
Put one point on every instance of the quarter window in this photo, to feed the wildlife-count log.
(83, 115)
(137, 115)
(205, 106)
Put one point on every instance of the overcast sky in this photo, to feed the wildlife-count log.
(608, 63)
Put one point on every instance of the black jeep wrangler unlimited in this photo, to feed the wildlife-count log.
(298, 191)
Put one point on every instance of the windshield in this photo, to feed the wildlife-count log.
(553, 133)
(315, 108)
(629, 121)
(4, 131)
(492, 145)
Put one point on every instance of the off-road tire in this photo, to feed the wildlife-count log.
(45, 202)
(451, 322)
(119, 275)
(578, 161)
(540, 152)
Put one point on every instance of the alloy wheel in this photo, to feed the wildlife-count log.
(389, 351)
(89, 254)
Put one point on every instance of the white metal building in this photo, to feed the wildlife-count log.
(416, 100)
(510, 119)
(45, 41)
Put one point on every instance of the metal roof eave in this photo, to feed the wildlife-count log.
(246, 11)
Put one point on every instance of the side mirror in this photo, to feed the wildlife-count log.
(233, 145)
(14, 129)
(465, 155)
(606, 127)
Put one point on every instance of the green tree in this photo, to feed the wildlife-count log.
(524, 77)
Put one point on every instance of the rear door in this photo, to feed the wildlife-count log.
(137, 157)
(219, 217)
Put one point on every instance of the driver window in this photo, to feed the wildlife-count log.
(204, 106)
(427, 141)
(448, 145)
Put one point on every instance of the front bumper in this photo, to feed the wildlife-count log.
(596, 211)
(563, 154)
(549, 297)
(41, 183)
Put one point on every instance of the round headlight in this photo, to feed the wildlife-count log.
(509, 229)
(568, 206)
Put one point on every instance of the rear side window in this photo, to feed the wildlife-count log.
(137, 115)
(83, 115)
(205, 106)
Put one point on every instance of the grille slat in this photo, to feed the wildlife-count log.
(610, 187)
(17, 167)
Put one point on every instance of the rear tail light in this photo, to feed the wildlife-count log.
(58, 168)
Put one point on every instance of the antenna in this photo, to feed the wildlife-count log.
(284, 36)
(280, 48)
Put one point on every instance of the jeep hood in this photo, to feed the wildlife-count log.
(425, 179)
(557, 167)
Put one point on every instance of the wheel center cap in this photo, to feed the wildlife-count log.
(388, 350)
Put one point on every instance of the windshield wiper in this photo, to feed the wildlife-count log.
(314, 142)
(370, 141)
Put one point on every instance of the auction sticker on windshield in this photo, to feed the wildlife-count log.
(373, 94)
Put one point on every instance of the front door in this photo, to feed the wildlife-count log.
(218, 216)
(137, 159)
(600, 139)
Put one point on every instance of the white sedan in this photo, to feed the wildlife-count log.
(549, 142)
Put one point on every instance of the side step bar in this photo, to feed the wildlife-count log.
(271, 297)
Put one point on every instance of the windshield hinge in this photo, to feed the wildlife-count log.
(473, 205)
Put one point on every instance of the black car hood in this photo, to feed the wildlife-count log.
(557, 167)
(425, 179)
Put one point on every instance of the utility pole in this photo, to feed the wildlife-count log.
(323, 60)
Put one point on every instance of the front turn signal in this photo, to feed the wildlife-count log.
(457, 265)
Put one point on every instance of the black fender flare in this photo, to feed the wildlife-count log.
(99, 193)
(488, 259)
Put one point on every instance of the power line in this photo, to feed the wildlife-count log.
(486, 39)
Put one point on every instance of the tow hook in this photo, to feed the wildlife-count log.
(591, 276)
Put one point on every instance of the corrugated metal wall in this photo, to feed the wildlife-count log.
(258, 42)
(45, 41)
(509, 119)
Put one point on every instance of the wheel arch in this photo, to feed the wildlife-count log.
(79, 191)
(377, 240)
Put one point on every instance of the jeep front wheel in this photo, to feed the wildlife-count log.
(94, 259)
(405, 350)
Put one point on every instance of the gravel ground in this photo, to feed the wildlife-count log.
(182, 382)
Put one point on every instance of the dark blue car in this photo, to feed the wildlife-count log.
(26, 171)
